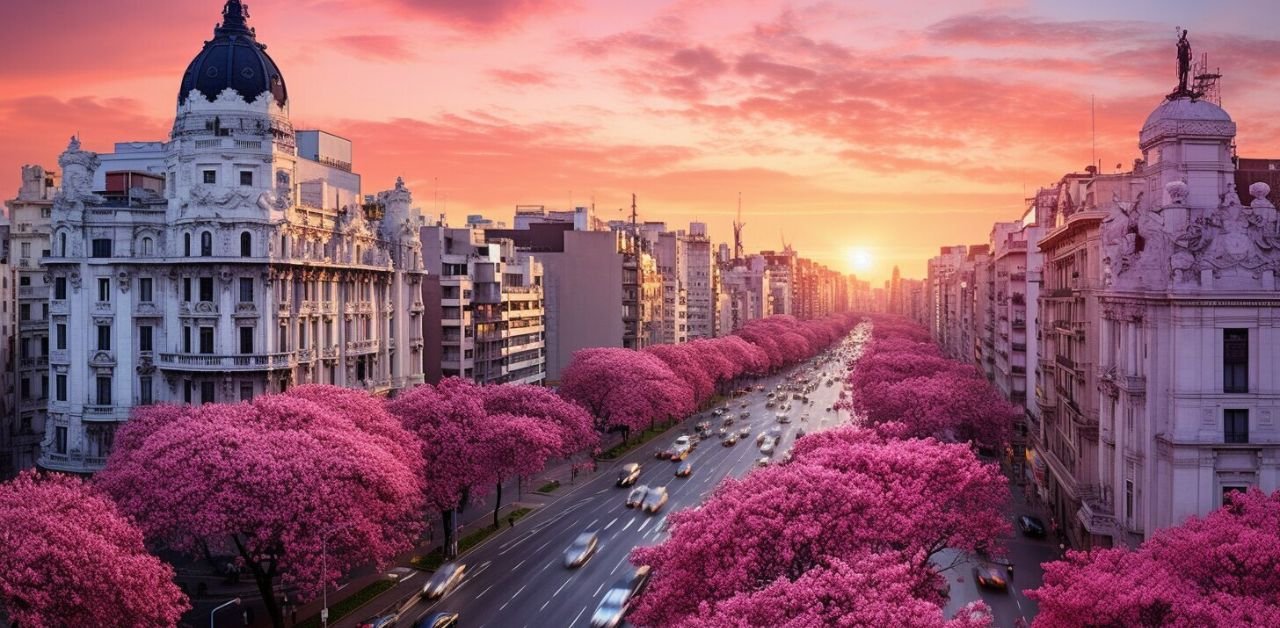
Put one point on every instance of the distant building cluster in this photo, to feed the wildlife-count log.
(1133, 315)
(243, 256)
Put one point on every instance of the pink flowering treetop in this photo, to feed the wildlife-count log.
(863, 590)
(951, 405)
(509, 445)
(1218, 571)
(573, 423)
(624, 389)
(69, 558)
(749, 358)
(687, 367)
(715, 363)
(272, 481)
(906, 500)
(445, 418)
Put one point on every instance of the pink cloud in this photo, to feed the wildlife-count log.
(479, 15)
(521, 78)
(374, 47)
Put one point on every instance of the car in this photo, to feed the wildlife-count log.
(628, 474)
(784, 418)
(1031, 526)
(761, 438)
(685, 470)
(767, 447)
(722, 433)
(438, 620)
(770, 395)
(670, 453)
(582, 549)
(617, 602)
(762, 461)
(443, 580)
(683, 441)
(744, 432)
(636, 496)
(679, 454)
(731, 441)
(654, 500)
(380, 621)
(661, 453)
(727, 421)
(744, 415)
(986, 575)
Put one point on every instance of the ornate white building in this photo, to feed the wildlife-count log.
(238, 258)
(1190, 318)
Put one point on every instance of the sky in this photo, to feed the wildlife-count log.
(886, 128)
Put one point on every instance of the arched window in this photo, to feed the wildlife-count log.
(186, 244)
(206, 244)
(246, 244)
(146, 247)
(62, 244)
(284, 246)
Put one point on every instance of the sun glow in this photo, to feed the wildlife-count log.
(859, 259)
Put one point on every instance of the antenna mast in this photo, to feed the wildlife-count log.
(737, 230)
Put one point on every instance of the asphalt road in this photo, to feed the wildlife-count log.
(518, 578)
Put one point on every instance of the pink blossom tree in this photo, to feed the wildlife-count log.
(1220, 570)
(951, 405)
(510, 445)
(69, 558)
(572, 421)
(624, 389)
(843, 496)
(687, 367)
(295, 484)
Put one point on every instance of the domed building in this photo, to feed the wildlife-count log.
(238, 258)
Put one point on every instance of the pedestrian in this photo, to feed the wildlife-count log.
(511, 520)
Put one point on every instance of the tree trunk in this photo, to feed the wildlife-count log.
(450, 533)
(265, 580)
(497, 503)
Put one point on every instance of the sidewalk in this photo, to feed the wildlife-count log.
(477, 515)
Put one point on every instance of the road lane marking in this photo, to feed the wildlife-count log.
(544, 606)
(575, 619)
(486, 590)
(624, 528)
(646, 522)
(518, 565)
(615, 520)
(511, 599)
(566, 583)
(597, 593)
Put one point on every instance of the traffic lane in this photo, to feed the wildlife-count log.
(1006, 606)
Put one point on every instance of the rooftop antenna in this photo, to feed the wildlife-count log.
(1093, 129)
(1207, 82)
(737, 230)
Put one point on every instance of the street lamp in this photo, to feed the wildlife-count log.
(221, 606)
(324, 570)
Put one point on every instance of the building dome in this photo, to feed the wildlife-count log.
(1186, 116)
(233, 59)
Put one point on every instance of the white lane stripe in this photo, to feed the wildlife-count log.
(566, 583)
(575, 619)
(615, 520)
(486, 590)
(624, 528)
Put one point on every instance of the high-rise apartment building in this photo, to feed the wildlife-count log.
(238, 258)
(703, 284)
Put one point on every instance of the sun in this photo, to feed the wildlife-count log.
(860, 259)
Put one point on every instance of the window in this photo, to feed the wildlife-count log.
(186, 244)
(102, 247)
(146, 247)
(186, 289)
(206, 340)
(206, 288)
(1128, 500)
(26, 249)
(24, 312)
(302, 335)
(246, 244)
(60, 439)
(206, 244)
(1235, 426)
(246, 290)
(206, 392)
(282, 341)
(186, 339)
(60, 336)
(104, 289)
(104, 337)
(246, 391)
(210, 176)
(186, 391)
(44, 386)
(144, 338)
(62, 243)
(144, 390)
(60, 387)
(246, 340)
(104, 391)
(24, 280)
(246, 177)
(1235, 360)
(144, 289)
(24, 389)
(60, 288)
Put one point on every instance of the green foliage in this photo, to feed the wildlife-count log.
(350, 604)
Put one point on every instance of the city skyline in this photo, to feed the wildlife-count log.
(820, 116)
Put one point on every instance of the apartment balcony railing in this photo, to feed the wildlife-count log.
(1020, 346)
(1132, 384)
(1060, 293)
(1019, 323)
(38, 361)
(206, 362)
(362, 346)
(1095, 513)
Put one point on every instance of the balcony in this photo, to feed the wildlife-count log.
(362, 346)
(1065, 362)
(198, 308)
(1095, 514)
(39, 361)
(1060, 293)
(74, 462)
(1132, 384)
(103, 413)
(33, 292)
(1019, 324)
(244, 362)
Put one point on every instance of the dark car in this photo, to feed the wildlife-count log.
(628, 474)
(685, 470)
(438, 620)
(1031, 526)
(988, 576)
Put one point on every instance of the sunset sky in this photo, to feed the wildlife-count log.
(893, 127)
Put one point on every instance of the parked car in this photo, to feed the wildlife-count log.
(988, 576)
(438, 620)
(380, 621)
(762, 461)
(619, 599)
(628, 474)
(685, 470)
(636, 496)
(655, 500)
(1031, 526)
(443, 580)
(581, 550)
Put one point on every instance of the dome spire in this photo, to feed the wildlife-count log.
(235, 19)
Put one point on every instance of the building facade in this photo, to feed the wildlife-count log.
(224, 263)
(703, 285)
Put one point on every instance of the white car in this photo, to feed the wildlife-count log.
(655, 500)
(443, 580)
(767, 447)
(582, 549)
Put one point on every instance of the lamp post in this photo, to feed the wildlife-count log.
(324, 571)
(221, 606)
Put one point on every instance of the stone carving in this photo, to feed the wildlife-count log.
(1234, 237)
(145, 365)
(1120, 237)
(74, 278)
(219, 198)
(1177, 191)
(78, 167)
(123, 278)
